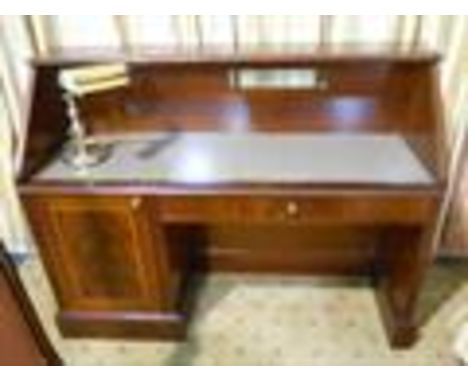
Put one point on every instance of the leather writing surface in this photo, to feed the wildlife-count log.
(256, 158)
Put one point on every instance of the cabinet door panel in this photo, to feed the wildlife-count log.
(100, 266)
(100, 251)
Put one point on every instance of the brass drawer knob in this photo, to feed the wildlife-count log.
(135, 203)
(292, 209)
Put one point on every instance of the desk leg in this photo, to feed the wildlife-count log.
(405, 253)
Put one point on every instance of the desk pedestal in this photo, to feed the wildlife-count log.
(120, 262)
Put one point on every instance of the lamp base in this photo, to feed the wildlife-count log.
(87, 155)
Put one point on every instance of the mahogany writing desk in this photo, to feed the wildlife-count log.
(341, 174)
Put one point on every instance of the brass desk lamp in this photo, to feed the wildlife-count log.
(79, 82)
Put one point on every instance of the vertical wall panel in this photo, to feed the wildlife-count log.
(217, 30)
(83, 31)
(431, 30)
(37, 27)
(277, 31)
(152, 30)
(186, 31)
(15, 50)
(454, 45)
(301, 30)
(250, 30)
(364, 29)
(408, 30)
(12, 228)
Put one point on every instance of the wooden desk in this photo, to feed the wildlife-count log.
(237, 189)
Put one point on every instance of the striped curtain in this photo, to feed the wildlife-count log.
(24, 36)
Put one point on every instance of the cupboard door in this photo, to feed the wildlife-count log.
(102, 252)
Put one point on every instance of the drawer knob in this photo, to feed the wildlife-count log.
(292, 209)
(135, 203)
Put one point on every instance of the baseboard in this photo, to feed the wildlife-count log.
(169, 326)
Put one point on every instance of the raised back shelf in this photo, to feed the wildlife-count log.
(351, 91)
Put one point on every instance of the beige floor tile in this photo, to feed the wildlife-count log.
(275, 320)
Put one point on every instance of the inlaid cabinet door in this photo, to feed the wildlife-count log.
(102, 252)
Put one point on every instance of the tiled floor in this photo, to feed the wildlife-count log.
(271, 320)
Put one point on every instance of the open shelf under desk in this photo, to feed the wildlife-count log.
(212, 158)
